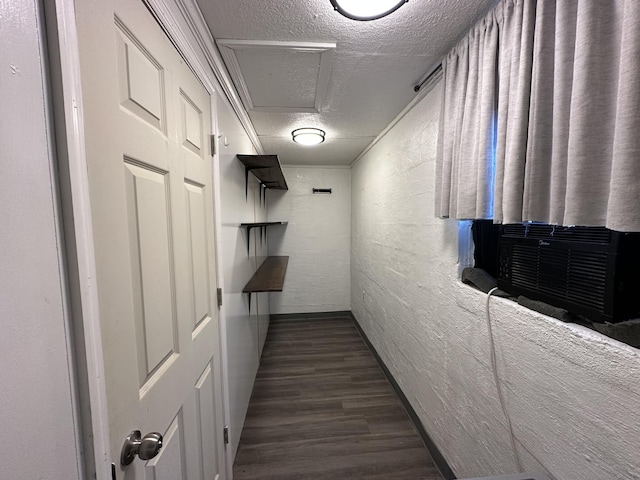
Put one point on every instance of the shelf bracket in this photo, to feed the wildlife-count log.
(263, 231)
(249, 239)
(249, 293)
(246, 178)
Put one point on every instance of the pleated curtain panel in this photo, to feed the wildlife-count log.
(541, 116)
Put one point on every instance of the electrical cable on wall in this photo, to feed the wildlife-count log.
(494, 367)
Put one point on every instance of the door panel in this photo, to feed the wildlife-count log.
(192, 131)
(205, 419)
(140, 79)
(147, 118)
(169, 464)
(148, 212)
(196, 218)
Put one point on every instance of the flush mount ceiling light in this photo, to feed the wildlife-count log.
(366, 9)
(308, 136)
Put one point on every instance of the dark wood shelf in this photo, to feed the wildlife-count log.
(268, 278)
(266, 169)
(261, 224)
(263, 228)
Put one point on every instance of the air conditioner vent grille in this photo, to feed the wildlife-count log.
(564, 274)
(590, 271)
(574, 234)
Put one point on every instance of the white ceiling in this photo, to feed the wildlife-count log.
(353, 91)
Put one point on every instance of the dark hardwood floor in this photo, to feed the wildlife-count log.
(322, 409)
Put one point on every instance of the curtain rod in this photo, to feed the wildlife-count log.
(435, 71)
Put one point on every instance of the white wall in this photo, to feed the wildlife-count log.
(245, 333)
(39, 435)
(573, 394)
(317, 240)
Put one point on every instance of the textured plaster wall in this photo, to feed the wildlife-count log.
(573, 395)
(245, 331)
(317, 240)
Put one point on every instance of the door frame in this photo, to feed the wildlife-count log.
(185, 26)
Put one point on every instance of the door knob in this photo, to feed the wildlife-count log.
(145, 447)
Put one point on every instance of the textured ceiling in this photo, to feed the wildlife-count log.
(374, 68)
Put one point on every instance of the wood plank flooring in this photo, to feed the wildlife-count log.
(322, 409)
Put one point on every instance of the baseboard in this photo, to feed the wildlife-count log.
(310, 316)
(436, 455)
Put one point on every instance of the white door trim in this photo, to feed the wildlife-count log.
(83, 232)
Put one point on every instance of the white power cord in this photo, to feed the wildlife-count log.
(494, 367)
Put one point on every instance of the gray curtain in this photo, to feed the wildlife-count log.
(468, 125)
(514, 83)
(567, 147)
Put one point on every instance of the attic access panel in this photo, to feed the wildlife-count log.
(276, 76)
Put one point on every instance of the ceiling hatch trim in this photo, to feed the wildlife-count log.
(317, 57)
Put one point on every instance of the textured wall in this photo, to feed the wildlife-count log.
(39, 435)
(245, 333)
(573, 395)
(317, 240)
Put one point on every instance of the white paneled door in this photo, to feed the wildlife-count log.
(147, 124)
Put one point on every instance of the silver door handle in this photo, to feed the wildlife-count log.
(145, 447)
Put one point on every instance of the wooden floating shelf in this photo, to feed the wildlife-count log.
(268, 278)
(261, 225)
(266, 169)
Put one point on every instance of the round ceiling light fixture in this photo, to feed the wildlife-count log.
(364, 10)
(308, 136)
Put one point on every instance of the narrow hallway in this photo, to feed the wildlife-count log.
(322, 408)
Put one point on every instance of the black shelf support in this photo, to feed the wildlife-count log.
(248, 169)
(263, 231)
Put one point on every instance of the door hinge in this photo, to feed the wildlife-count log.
(219, 290)
(225, 432)
(113, 471)
(213, 144)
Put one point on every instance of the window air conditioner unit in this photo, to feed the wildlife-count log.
(590, 271)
